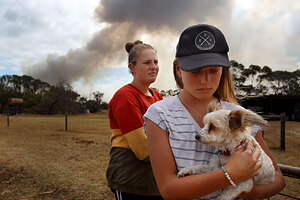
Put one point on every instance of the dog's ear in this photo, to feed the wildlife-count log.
(239, 119)
(213, 106)
(235, 120)
(254, 119)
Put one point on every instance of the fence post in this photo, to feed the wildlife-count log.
(282, 131)
(66, 121)
(7, 118)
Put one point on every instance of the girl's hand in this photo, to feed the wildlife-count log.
(244, 163)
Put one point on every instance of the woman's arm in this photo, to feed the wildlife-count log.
(129, 131)
(265, 191)
(242, 166)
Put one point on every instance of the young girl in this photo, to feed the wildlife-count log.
(201, 70)
(129, 173)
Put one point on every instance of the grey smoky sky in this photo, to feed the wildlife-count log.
(82, 42)
(155, 14)
(125, 20)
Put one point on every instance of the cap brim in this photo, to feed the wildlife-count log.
(198, 61)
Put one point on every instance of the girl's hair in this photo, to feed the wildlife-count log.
(177, 78)
(134, 49)
(224, 92)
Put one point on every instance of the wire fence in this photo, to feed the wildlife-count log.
(283, 135)
(97, 123)
(89, 123)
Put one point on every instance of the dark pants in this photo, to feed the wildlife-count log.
(128, 196)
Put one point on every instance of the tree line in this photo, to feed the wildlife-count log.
(256, 81)
(42, 98)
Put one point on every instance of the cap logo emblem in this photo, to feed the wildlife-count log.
(205, 41)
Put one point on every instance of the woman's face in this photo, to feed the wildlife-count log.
(201, 83)
(146, 68)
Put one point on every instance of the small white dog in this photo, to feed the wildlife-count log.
(229, 131)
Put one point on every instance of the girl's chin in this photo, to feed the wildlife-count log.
(152, 79)
(201, 94)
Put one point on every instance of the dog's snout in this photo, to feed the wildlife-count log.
(197, 137)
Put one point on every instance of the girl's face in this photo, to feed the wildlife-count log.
(146, 68)
(201, 83)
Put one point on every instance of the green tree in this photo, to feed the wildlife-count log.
(92, 106)
(257, 81)
(60, 99)
(31, 101)
(237, 73)
(16, 83)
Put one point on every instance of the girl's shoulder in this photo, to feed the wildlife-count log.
(165, 111)
(167, 102)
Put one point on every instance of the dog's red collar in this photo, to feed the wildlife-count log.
(241, 143)
(227, 152)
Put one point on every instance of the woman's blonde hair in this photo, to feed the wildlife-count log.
(224, 92)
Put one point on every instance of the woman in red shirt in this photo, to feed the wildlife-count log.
(129, 173)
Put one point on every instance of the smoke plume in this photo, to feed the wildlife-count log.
(125, 21)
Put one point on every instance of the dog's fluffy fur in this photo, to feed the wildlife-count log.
(225, 130)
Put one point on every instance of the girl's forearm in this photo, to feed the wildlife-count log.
(194, 186)
(268, 190)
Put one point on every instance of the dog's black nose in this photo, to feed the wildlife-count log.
(197, 137)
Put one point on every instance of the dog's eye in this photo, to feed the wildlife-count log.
(211, 127)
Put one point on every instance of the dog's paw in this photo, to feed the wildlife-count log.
(184, 172)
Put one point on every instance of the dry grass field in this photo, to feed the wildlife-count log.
(40, 160)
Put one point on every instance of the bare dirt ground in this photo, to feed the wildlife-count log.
(43, 161)
(40, 160)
